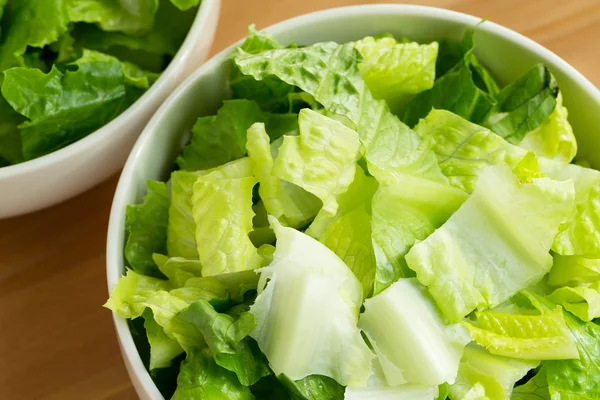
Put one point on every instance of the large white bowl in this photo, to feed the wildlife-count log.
(62, 174)
(507, 53)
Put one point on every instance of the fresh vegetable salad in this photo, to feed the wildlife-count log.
(68, 67)
(379, 219)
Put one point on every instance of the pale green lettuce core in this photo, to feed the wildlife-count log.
(395, 71)
(482, 375)
(306, 315)
(496, 244)
(428, 353)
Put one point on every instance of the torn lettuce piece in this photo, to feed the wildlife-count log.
(178, 270)
(306, 315)
(389, 146)
(222, 211)
(349, 237)
(181, 232)
(396, 71)
(146, 227)
(495, 245)
(359, 195)
(133, 293)
(524, 105)
(430, 350)
(494, 374)
(163, 349)
(10, 138)
(289, 203)
(530, 337)
(227, 339)
(403, 214)
(221, 138)
(535, 389)
(313, 387)
(582, 301)
(573, 271)
(322, 160)
(580, 236)
(133, 18)
(553, 138)
(464, 149)
(200, 377)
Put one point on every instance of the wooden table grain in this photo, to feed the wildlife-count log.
(56, 341)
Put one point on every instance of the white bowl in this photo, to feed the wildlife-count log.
(506, 53)
(62, 174)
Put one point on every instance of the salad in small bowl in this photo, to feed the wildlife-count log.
(79, 80)
(379, 205)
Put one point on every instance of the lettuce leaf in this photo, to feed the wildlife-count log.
(395, 71)
(322, 160)
(146, 226)
(64, 107)
(496, 244)
(221, 138)
(306, 315)
(496, 375)
(222, 211)
(582, 301)
(389, 146)
(289, 203)
(130, 17)
(228, 341)
(530, 337)
(178, 270)
(10, 138)
(553, 138)
(201, 377)
(535, 389)
(464, 149)
(403, 214)
(430, 350)
(573, 271)
(524, 105)
(163, 349)
(313, 387)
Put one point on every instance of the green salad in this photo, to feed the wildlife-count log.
(379, 219)
(68, 67)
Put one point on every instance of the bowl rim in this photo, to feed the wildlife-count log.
(114, 254)
(110, 129)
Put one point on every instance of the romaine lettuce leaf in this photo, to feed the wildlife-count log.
(573, 271)
(496, 244)
(228, 342)
(177, 269)
(146, 226)
(313, 387)
(530, 337)
(535, 389)
(524, 105)
(390, 147)
(64, 107)
(10, 138)
(32, 24)
(289, 203)
(403, 214)
(464, 149)
(429, 351)
(130, 17)
(220, 138)
(553, 138)
(201, 377)
(306, 315)
(222, 211)
(322, 160)
(395, 71)
(495, 374)
(582, 301)
(163, 349)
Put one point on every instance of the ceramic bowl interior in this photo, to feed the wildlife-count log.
(506, 53)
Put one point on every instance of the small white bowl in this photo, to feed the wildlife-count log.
(50, 179)
(506, 53)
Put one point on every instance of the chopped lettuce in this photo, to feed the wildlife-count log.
(582, 301)
(163, 349)
(573, 271)
(491, 376)
(496, 244)
(306, 315)
(146, 226)
(428, 353)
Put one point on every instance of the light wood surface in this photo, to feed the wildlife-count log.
(56, 341)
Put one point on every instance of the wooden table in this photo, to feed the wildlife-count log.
(56, 341)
